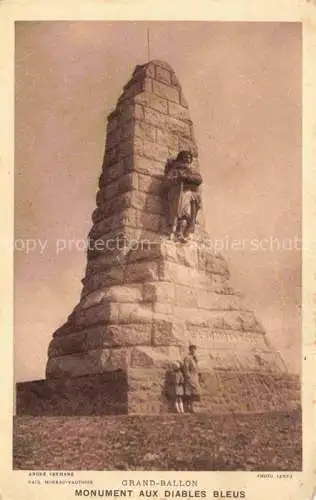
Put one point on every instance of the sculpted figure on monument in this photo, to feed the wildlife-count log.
(183, 196)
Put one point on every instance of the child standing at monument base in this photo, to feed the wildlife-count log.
(176, 386)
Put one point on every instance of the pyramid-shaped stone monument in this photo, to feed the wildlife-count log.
(152, 283)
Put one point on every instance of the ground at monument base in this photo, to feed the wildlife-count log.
(259, 441)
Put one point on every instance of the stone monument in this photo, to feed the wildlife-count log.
(152, 285)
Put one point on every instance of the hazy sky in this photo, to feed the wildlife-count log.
(242, 82)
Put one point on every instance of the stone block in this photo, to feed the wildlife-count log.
(217, 279)
(146, 390)
(113, 139)
(92, 299)
(147, 202)
(127, 217)
(168, 249)
(112, 124)
(145, 394)
(163, 75)
(145, 407)
(103, 177)
(111, 157)
(148, 221)
(110, 191)
(164, 227)
(132, 88)
(144, 252)
(112, 276)
(130, 112)
(231, 320)
(186, 296)
(183, 100)
(159, 291)
(147, 166)
(135, 88)
(208, 299)
(148, 184)
(115, 205)
(167, 139)
(118, 335)
(65, 329)
(152, 101)
(101, 196)
(128, 181)
(138, 113)
(163, 308)
(140, 378)
(147, 85)
(202, 335)
(119, 293)
(175, 273)
(124, 293)
(162, 64)
(93, 362)
(142, 271)
(142, 237)
(212, 263)
(125, 148)
(72, 343)
(205, 336)
(107, 250)
(241, 340)
(135, 313)
(170, 271)
(188, 313)
(166, 91)
(175, 81)
(104, 312)
(186, 255)
(127, 130)
(141, 71)
(114, 171)
(178, 127)
(239, 361)
(155, 118)
(168, 333)
(152, 151)
(147, 357)
(120, 186)
(99, 394)
(178, 111)
(172, 352)
(145, 130)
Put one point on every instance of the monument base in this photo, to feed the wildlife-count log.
(143, 392)
(114, 352)
(100, 394)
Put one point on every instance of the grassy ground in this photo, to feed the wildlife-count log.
(270, 441)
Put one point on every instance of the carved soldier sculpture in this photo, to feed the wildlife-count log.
(183, 196)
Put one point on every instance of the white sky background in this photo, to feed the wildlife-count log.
(242, 83)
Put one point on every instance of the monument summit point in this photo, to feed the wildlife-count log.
(144, 302)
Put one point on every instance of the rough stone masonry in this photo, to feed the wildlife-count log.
(145, 297)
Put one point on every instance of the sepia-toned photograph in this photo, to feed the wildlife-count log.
(157, 246)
